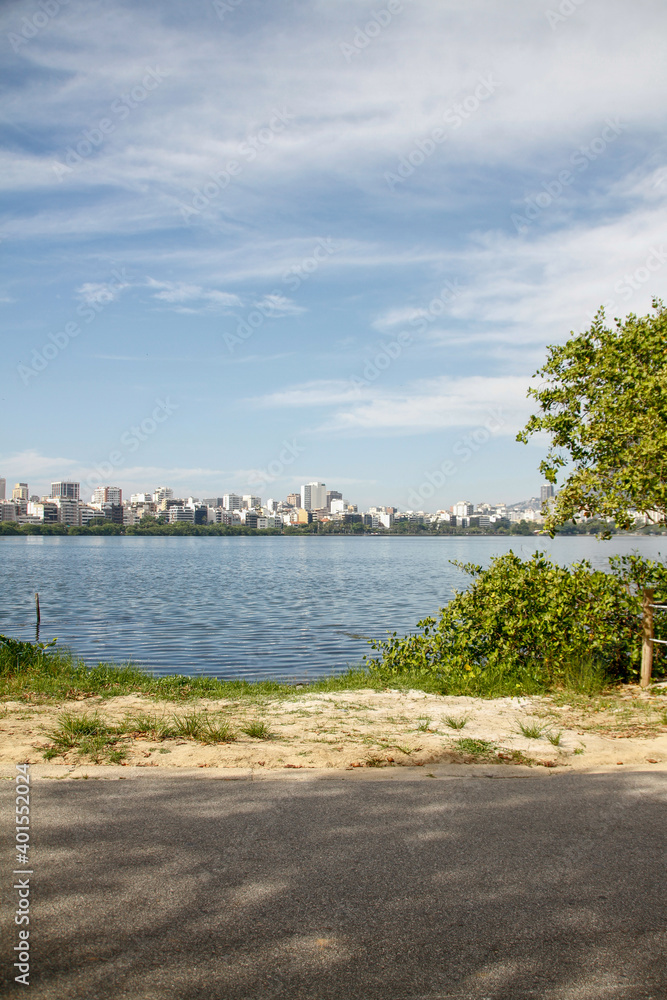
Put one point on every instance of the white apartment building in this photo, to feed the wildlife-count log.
(107, 494)
(462, 509)
(181, 514)
(232, 501)
(45, 511)
(162, 493)
(141, 498)
(69, 509)
(313, 496)
(338, 506)
(250, 502)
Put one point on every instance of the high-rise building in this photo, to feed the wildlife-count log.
(107, 494)
(162, 493)
(250, 501)
(232, 501)
(463, 508)
(20, 492)
(546, 491)
(333, 495)
(66, 490)
(3, 488)
(293, 499)
(313, 496)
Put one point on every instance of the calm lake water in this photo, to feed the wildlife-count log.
(251, 607)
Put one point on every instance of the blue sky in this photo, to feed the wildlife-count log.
(249, 244)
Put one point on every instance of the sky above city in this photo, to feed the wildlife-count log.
(251, 244)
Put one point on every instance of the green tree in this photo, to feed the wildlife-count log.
(603, 401)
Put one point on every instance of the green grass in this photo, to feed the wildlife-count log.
(456, 721)
(88, 734)
(423, 725)
(34, 675)
(531, 730)
(554, 738)
(475, 748)
(258, 731)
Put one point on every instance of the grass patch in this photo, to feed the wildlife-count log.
(554, 739)
(531, 730)
(456, 721)
(89, 735)
(258, 731)
(475, 748)
(423, 725)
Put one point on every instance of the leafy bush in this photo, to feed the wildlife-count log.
(530, 624)
(17, 656)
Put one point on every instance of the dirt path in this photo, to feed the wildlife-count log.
(360, 728)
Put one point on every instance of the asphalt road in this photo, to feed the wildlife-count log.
(345, 887)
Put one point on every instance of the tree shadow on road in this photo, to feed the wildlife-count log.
(336, 888)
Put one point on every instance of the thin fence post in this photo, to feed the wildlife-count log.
(647, 638)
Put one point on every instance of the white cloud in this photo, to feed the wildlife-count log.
(422, 406)
(178, 293)
(100, 293)
(278, 305)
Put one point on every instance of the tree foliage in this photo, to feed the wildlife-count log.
(530, 623)
(603, 401)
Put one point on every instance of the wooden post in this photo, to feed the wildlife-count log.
(647, 638)
(37, 607)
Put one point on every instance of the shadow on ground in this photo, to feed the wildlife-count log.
(336, 889)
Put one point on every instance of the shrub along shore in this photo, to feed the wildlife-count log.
(522, 627)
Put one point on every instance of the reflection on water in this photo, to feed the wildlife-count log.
(246, 606)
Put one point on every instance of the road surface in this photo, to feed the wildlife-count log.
(477, 884)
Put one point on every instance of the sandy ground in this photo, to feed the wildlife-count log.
(364, 728)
